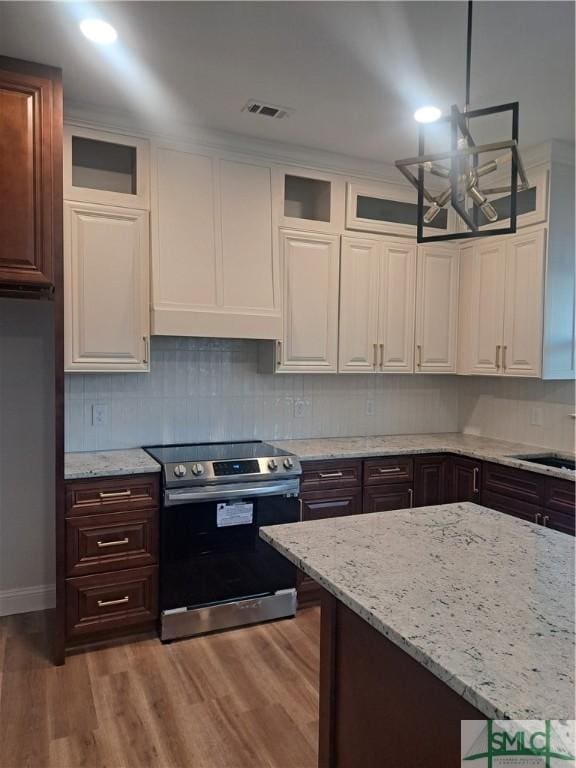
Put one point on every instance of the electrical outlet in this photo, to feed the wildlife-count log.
(299, 408)
(536, 417)
(369, 407)
(99, 414)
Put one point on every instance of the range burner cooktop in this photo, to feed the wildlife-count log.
(211, 463)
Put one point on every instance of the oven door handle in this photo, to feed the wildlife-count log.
(221, 493)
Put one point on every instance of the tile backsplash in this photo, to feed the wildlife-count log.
(521, 410)
(211, 389)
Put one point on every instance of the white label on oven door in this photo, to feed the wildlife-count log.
(234, 514)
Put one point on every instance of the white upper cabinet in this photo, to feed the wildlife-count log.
(377, 292)
(306, 199)
(501, 305)
(106, 288)
(482, 277)
(396, 313)
(523, 304)
(389, 209)
(106, 168)
(311, 265)
(437, 309)
(215, 262)
(359, 295)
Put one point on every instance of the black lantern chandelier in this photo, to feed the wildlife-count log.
(464, 172)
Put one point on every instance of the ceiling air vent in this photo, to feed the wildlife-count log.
(267, 110)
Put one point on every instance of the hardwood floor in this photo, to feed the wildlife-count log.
(245, 698)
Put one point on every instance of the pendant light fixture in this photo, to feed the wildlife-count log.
(464, 172)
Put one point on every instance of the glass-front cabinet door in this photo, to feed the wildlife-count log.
(531, 203)
(107, 168)
(389, 209)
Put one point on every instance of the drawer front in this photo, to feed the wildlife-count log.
(111, 601)
(87, 497)
(318, 505)
(507, 481)
(559, 495)
(330, 474)
(385, 498)
(97, 543)
(377, 471)
(516, 507)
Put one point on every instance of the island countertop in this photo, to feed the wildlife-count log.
(483, 600)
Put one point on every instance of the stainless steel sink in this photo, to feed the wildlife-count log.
(549, 460)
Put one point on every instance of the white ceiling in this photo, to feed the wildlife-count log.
(353, 71)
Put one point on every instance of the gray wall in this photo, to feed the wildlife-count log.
(26, 455)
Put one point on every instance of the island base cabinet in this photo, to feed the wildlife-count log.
(379, 706)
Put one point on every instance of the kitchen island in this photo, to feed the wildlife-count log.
(431, 616)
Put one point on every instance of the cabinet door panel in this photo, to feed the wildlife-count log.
(358, 336)
(383, 498)
(30, 176)
(523, 315)
(464, 484)
(185, 267)
(396, 307)
(507, 481)
(560, 504)
(436, 309)
(430, 473)
(482, 278)
(311, 282)
(249, 282)
(319, 505)
(106, 283)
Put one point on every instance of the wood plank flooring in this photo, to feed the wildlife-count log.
(241, 699)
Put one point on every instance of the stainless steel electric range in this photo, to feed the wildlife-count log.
(215, 570)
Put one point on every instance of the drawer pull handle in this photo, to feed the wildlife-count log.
(381, 356)
(120, 601)
(115, 543)
(545, 520)
(475, 488)
(329, 475)
(411, 497)
(387, 471)
(374, 362)
(537, 517)
(115, 494)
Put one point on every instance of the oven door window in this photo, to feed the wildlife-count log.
(203, 562)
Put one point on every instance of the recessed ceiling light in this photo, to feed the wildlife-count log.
(427, 114)
(98, 31)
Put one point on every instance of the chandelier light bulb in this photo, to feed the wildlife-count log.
(427, 114)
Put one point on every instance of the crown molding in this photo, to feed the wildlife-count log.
(187, 134)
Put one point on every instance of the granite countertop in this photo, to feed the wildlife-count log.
(131, 461)
(483, 448)
(483, 600)
(136, 461)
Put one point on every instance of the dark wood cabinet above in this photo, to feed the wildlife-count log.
(30, 177)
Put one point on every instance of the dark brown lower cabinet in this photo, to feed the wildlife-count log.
(386, 497)
(317, 505)
(559, 504)
(430, 480)
(464, 479)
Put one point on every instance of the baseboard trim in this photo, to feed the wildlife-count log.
(27, 599)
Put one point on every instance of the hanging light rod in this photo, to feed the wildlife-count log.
(462, 166)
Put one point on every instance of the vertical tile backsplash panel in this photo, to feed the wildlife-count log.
(522, 410)
(210, 389)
